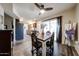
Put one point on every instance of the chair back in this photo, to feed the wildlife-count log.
(52, 39)
(34, 38)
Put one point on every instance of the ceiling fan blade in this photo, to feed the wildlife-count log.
(47, 9)
(42, 6)
(37, 5)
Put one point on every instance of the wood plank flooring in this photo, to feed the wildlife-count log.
(69, 51)
(24, 49)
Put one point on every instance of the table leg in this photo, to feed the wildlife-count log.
(43, 48)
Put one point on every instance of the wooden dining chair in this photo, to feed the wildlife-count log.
(36, 45)
(50, 45)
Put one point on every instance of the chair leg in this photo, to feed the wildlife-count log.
(32, 51)
(37, 52)
(51, 51)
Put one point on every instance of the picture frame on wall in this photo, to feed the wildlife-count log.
(71, 31)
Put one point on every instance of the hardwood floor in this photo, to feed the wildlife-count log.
(57, 49)
(24, 49)
(69, 51)
(64, 50)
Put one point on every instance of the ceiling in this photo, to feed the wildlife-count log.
(29, 11)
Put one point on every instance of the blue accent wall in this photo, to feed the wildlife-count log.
(19, 31)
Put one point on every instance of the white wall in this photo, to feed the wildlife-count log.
(77, 18)
(8, 8)
(8, 21)
(1, 18)
(1, 11)
(67, 16)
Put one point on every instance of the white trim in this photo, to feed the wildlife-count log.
(14, 30)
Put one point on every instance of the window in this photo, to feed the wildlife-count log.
(50, 25)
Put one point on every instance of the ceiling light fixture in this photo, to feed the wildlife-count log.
(42, 11)
(21, 19)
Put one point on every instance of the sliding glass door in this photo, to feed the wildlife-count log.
(54, 26)
(51, 26)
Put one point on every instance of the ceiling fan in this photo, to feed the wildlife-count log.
(41, 7)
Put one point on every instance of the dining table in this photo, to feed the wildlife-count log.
(44, 39)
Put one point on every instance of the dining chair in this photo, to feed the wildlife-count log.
(36, 45)
(50, 45)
